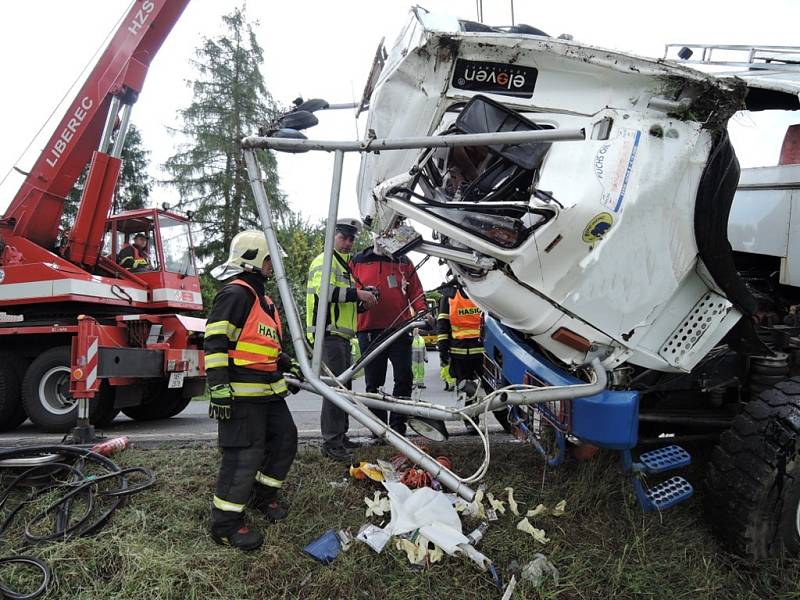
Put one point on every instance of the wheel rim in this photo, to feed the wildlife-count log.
(54, 391)
(797, 519)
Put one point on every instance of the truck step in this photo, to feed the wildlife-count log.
(664, 459)
(667, 494)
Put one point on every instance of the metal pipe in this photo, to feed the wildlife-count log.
(108, 128)
(327, 258)
(470, 259)
(376, 426)
(412, 143)
(122, 132)
(372, 353)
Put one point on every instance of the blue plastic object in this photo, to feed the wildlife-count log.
(609, 419)
(664, 459)
(325, 548)
(667, 494)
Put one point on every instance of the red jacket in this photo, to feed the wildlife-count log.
(398, 285)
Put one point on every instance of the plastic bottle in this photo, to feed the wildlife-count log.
(112, 446)
(477, 535)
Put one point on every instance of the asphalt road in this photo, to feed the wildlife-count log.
(193, 424)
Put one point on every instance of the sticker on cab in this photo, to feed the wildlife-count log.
(494, 78)
(597, 228)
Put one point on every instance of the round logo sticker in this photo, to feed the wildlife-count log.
(597, 228)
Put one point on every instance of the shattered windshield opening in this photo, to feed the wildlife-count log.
(487, 190)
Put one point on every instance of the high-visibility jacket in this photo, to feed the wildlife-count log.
(342, 298)
(133, 259)
(458, 328)
(243, 341)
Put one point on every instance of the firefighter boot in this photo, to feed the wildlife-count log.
(266, 501)
(237, 535)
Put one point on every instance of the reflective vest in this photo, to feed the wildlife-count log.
(137, 259)
(465, 318)
(418, 349)
(259, 344)
(342, 316)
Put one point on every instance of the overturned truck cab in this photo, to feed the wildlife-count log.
(604, 241)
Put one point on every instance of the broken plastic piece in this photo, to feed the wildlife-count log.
(512, 585)
(367, 470)
(539, 568)
(414, 552)
(512, 504)
(345, 539)
(560, 509)
(374, 537)
(377, 505)
(325, 548)
(497, 505)
(537, 534)
(535, 512)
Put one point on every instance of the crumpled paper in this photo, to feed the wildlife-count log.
(377, 505)
(474, 509)
(512, 503)
(560, 509)
(537, 534)
(418, 552)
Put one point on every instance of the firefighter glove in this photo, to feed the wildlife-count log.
(221, 405)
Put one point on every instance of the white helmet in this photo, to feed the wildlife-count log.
(247, 253)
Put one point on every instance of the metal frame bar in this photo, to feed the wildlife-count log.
(325, 287)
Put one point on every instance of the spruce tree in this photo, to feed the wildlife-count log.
(230, 101)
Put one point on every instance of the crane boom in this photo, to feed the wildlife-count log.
(115, 81)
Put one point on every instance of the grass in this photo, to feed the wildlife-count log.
(157, 546)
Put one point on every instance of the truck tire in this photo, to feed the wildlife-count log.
(12, 413)
(45, 394)
(161, 403)
(753, 480)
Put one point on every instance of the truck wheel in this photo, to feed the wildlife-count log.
(12, 413)
(753, 480)
(46, 398)
(161, 403)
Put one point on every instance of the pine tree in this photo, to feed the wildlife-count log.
(230, 101)
(133, 186)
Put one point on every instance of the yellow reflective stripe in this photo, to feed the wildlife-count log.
(466, 351)
(462, 333)
(259, 389)
(268, 481)
(227, 506)
(443, 316)
(216, 360)
(225, 328)
(441, 337)
(257, 349)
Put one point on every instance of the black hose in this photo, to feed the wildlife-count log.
(43, 480)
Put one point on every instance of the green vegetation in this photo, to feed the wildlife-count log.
(157, 546)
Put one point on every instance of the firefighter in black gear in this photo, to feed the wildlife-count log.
(133, 256)
(459, 328)
(244, 370)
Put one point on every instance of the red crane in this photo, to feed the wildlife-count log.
(65, 298)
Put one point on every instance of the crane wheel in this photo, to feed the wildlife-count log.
(160, 403)
(12, 413)
(46, 397)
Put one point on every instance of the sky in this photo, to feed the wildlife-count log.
(324, 49)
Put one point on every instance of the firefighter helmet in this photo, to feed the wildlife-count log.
(247, 253)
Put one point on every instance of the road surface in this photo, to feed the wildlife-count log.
(193, 424)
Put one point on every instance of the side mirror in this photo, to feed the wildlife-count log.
(297, 119)
(313, 105)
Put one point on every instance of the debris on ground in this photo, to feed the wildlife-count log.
(325, 548)
(366, 470)
(377, 505)
(536, 512)
(560, 509)
(512, 503)
(497, 505)
(536, 571)
(374, 537)
(537, 534)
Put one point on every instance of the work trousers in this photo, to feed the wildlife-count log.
(399, 353)
(334, 422)
(258, 447)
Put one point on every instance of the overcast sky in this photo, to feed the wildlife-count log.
(324, 49)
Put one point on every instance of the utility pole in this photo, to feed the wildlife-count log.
(512, 13)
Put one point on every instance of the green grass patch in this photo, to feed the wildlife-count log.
(157, 546)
